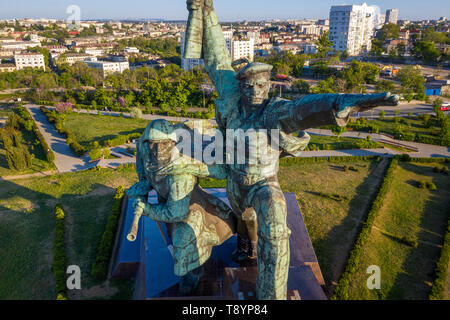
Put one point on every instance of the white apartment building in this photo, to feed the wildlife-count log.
(352, 28)
(131, 50)
(7, 67)
(29, 60)
(72, 58)
(392, 16)
(238, 49)
(19, 45)
(242, 49)
(95, 51)
(108, 67)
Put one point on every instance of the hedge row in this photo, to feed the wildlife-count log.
(59, 255)
(441, 271)
(341, 291)
(170, 113)
(293, 160)
(49, 155)
(408, 158)
(100, 266)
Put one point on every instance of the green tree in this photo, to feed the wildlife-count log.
(301, 86)
(338, 131)
(389, 31)
(425, 51)
(324, 45)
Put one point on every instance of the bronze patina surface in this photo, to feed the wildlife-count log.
(252, 188)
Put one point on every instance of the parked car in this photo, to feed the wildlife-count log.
(445, 106)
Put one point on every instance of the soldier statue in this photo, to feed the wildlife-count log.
(252, 188)
(196, 221)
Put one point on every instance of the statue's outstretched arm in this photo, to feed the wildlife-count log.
(323, 109)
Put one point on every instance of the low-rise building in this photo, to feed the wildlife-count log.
(7, 67)
(72, 58)
(131, 50)
(109, 67)
(19, 45)
(29, 60)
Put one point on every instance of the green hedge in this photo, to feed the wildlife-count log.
(100, 266)
(171, 113)
(50, 156)
(441, 270)
(59, 254)
(341, 291)
(293, 160)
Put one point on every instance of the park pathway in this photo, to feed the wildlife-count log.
(425, 150)
(65, 158)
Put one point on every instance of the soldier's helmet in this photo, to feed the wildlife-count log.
(253, 69)
(159, 130)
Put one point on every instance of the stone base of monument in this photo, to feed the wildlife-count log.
(149, 260)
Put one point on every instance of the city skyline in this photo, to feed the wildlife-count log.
(176, 9)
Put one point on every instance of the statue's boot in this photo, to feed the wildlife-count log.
(246, 250)
(189, 282)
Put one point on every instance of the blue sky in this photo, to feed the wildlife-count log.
(228, 10)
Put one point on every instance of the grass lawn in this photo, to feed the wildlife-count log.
(90, 128)
(27, 231)
(40, 162)
(406, 272)
(332, 225)
(387, 125)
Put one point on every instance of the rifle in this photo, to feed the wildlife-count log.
(132, 235)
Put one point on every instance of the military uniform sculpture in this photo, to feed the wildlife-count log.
(252, 188)
(196, 221)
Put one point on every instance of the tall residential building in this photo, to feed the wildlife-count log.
(380, 21)
(238, 49)
(392, 16)
(352, 28)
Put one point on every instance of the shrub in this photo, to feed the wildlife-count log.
(431, 186)
(100, 266)
(405, 158)
(422, 184)
(136, 113)
(59, 254)
(441, 270)
(409, 241)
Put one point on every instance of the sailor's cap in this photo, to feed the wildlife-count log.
(253, 69)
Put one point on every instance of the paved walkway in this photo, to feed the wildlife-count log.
(65, 158)
(425, 150)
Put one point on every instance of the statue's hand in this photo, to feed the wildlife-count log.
(195, 4)
(139, 203)
(348, 104)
